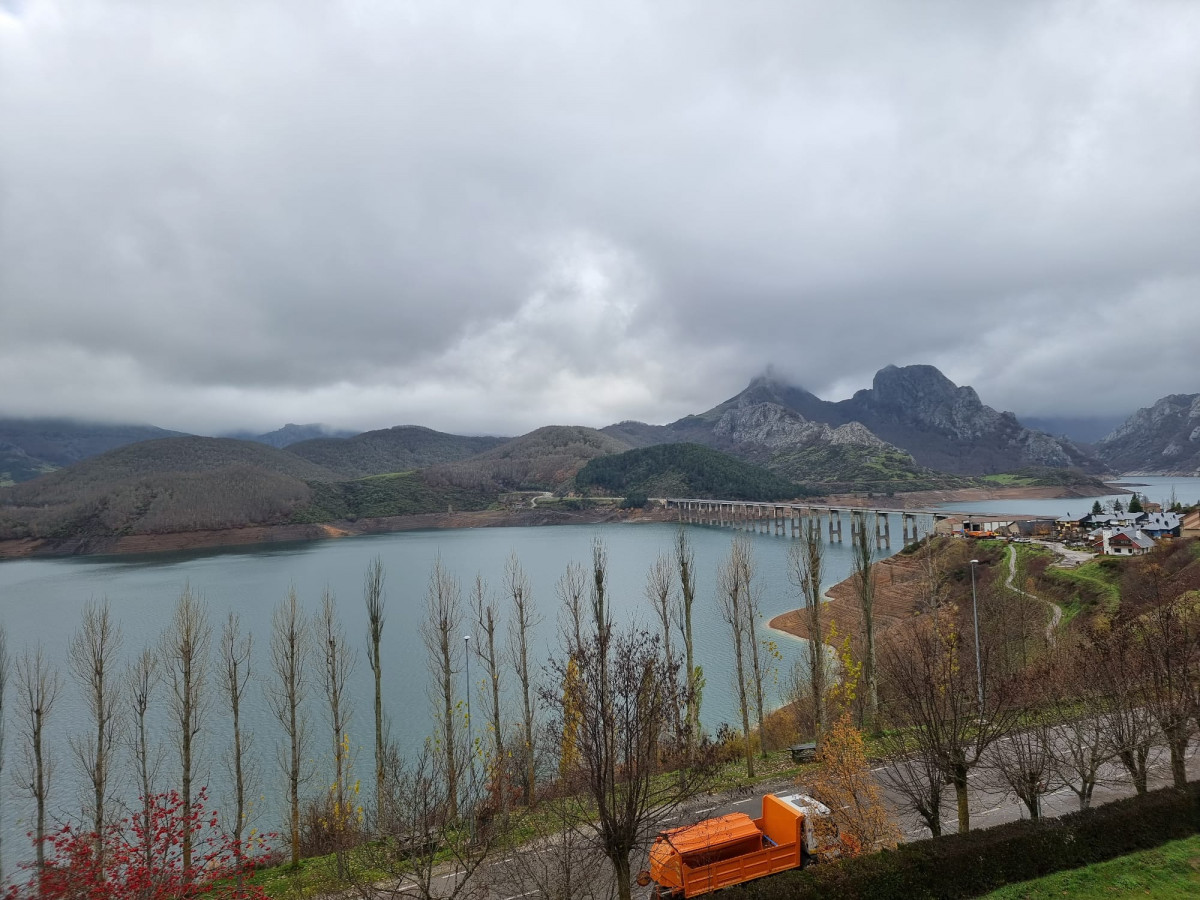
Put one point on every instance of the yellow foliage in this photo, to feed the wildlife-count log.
(844, 782)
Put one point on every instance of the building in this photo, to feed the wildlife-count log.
(1161, 524)
(1121, 542)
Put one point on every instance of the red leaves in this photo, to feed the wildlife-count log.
(138, 859)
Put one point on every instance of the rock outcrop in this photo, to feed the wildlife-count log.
(1160, 439)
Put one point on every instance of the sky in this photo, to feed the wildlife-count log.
(486, 217)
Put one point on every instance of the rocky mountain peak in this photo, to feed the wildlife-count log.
(1163, 438)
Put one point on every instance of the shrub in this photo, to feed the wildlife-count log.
(968, 865)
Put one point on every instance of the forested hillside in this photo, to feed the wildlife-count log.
(173, 484)
(390, 450)
(543, 460)
(683, 470)
(32, 447)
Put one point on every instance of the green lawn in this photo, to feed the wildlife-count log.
(1169, 871)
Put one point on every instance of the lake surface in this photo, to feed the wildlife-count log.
(41, 600)
(1157, 488)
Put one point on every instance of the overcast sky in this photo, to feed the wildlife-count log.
(491, 216)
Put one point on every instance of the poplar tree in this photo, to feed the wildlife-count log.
(92, 654)
(185, 657)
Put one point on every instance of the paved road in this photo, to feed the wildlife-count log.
(990, 805)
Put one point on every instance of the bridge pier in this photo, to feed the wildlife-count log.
(835, 517)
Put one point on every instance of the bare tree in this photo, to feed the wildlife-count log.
(184, 652)
(443, 614)
(236, 652)
(338, 663)
(1166, 641)
(934, 679)
(864, 583)
(290, 647)
(1024, 759)
(685, 562)
(376, 604)
(732, 601)
(915, 778)
(1132, 731)
(92, 654)
(760, 669)
(524, 618)
(621, 700)
(483, 607)
(660, 591)
(805, 571)
(144, 677)
(1081, 744)
(421, 840)
(38, 689)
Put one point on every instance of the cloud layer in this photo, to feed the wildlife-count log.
(487, 217)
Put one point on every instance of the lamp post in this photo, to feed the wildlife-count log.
(975, 612)
(470, 740)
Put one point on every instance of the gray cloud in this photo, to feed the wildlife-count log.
(489, 217)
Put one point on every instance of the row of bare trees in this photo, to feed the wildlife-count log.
(1036, 715)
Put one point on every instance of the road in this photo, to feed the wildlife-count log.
(512, 878)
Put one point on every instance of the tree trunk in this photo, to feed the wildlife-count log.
(964, 809)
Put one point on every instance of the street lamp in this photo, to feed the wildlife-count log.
(975, 611)
(470, 739)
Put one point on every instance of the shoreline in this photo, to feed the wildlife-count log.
(265, 535)
(252, 535)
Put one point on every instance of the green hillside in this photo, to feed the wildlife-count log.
(390, 450)
(683, 470)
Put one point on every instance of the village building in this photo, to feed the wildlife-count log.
(1121, 542)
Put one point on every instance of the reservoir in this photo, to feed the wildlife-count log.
(41, 600)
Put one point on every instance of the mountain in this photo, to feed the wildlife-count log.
(32, 447)
(1163, 438)
(165, 485)
(775, 425)
(943, 426)
(543, 460)
(396, 449)
(291, 434)
(1080, 429)
(683, 470)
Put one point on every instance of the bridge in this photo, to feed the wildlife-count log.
(785, 519)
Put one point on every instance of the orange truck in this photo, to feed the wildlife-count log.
(716, 853)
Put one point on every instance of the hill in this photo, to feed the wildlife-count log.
(291, 434)
(390, 450)
(166, 485)
(683, 470)
(32, 447)
(1163, 438)
(543, 460)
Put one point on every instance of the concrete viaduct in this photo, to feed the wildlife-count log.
(785, 519)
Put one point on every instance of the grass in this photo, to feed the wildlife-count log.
(1096, 584)
(1169, 871)
(1010, 479)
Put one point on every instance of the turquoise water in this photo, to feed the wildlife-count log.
(40, 600)
(1158, 488)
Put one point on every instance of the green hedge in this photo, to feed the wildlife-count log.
(980, 861)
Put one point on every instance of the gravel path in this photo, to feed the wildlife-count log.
(1056, 612)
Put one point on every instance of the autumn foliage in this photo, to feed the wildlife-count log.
(146, 863)
(846, 785)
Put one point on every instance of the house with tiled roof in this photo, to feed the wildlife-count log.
(1121, 542)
